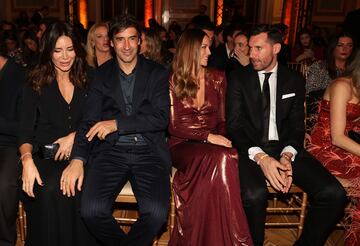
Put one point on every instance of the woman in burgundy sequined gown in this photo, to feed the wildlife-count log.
(206, 186)
(339, 113)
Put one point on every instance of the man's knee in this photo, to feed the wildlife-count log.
(333, 194)
(254, 197)
(92, 212)
(156, 215)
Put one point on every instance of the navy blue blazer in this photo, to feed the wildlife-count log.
(150, 109)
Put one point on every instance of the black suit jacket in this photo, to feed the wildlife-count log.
(150, 109)
(244, 108)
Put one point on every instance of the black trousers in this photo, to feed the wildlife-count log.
(326, 195)
(9, 173)
(107, 174)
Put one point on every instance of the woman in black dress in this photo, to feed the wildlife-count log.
(50, 114)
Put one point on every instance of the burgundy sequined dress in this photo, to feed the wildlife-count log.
(206, 186)
(338, 161)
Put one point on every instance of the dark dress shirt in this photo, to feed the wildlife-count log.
(127, 82)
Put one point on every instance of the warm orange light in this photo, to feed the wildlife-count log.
(148, 12)
(287, 16)
(219, 12)
(83, 12)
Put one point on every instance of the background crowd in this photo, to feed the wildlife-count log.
(47, 66)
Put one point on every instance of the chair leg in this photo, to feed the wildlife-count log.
(22, 222)
(172, 211)
(302, 214)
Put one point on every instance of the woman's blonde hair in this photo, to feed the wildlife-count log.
(90, 48)
(153, 47)
(186, 63)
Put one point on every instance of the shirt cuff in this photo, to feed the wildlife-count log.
(253, 151)
(291, 150)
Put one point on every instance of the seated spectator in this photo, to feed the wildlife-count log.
(50, 113)
(43, 24)
(218, 38)
(13, 47)
(151, 48)
(240, 56)
(98, 45)
(30, 49)
(174, 35)
(331, 143)
(206, 185)
(265, 122)
(339, 53)
(222, 53)
(12, 79)
(305, 50)
(163, 34)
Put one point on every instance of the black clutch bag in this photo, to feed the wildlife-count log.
(48, 151)
(354, 136)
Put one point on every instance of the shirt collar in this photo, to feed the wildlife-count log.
(272, 71)
(122, 73)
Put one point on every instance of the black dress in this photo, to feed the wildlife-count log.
(52, 218)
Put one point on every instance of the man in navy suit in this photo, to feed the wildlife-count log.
(265, 121)
(125, 119)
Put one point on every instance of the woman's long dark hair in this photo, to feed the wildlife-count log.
(330, 58)
(45, 73)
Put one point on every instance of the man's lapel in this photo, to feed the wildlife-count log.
(255, 92)
(141, 80)
(281, 82)
(114, 87)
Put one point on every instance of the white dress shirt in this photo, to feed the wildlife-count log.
(273, 132)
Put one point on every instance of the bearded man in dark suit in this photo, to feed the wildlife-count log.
(265, 121)
(126, 117)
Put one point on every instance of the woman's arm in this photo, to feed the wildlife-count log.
(30, 172)
(340, 95)
(27, 117)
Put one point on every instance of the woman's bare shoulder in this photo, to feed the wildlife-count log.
(341, 87)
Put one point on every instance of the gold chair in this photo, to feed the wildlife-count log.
(292, 204)
(301, 67)
(295, 66)
(22, 222)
